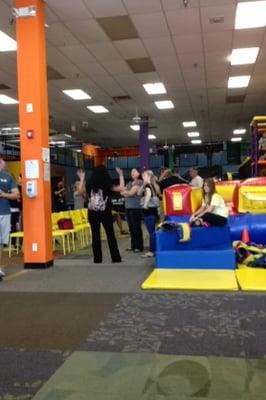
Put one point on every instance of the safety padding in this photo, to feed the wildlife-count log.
(251, 279)
(191, 280)
(208, 238)
(255, 223)
(221, 258)
(251, 196)
(181, 199)
(227, 189)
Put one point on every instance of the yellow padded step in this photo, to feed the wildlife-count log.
(192, 279)
(251, 279)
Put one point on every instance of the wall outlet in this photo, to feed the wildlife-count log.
(34, 247)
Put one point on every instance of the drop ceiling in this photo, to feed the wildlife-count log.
(157, 41)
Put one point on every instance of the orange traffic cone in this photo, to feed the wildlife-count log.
(245, 236)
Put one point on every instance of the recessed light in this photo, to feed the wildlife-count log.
(78, 151)
(239, 131)
(196, 141)
(151, 137)
(154, 88)
(98, 109)
(135, 127)
(7, 43)
(77, 94)
(189, 124)
(236, 139)
(244, 56)
(7, 100)
(238, 81)
(164, 104)
(251, 14)
(193, 134)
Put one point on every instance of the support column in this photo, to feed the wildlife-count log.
(144, 143)
(34, 133)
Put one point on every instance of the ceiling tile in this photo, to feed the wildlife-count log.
(142, 7)
(104, 51)
(69, 10)
(227, 12)
(195, 60)
(117, 67)
(59, 35)
(88, 31)
(184, 21)
(170, 5)
(103, 8)
(150, 25)
(248, 38)
(118, 28)
(141, 65)
(132, 48)
(188, 44)
(218, 41)
(160, 46)
(78, 54)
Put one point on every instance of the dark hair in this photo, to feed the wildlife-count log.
(211, 185)
(138, 170)
(100, 179)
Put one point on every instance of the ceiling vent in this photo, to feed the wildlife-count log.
(235, 99)
(218, 19)
(121, 98)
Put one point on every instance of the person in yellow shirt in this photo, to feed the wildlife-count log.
(213, 211)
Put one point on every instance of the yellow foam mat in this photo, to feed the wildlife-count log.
(251, 278)
(192, 279)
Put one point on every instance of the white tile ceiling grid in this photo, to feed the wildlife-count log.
(189, 53)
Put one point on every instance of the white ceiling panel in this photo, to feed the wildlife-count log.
(103, 8)
(217, 59)
(161, 46)
(142, 7)
(69, 10)
(184, 21)
(131, 48)
(248, 38)
(151, 25)
(218, 41)
(188, 44)
(195, 60)
(59, 35)
(104, 51)
(209, 3)
(78, 54)
(117, 67)
(170, 5)
(88, 31)
(226, 12)
(5, 16)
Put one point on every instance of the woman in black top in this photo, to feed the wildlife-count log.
(99, 189)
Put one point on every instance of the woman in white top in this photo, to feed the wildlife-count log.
(213, 211)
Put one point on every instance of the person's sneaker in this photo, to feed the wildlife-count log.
(148, 254)
(2, 274)
(136, 251)
(129, 249)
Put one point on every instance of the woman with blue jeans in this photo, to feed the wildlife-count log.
(150, 208)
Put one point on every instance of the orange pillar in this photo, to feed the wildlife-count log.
(34, 133)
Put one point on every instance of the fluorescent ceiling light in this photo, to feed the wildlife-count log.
(67, 135)
(251, 14)
(98, 109)
(236, 139)
(197, 141)
(7, 100)
(244, 56)
(7, 43)
(238, 81)
(77, 94)
(193, 134)
(135, 127)
(154, 88)
(151, 137)
(189, 124)
(239, 131)
(164, 104)
(78, 151)
(58, 142)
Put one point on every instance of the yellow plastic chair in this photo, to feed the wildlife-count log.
(81, 224)
(77, 230)
(60, 233)
(17, 236)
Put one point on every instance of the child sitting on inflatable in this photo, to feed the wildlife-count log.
(213, 211)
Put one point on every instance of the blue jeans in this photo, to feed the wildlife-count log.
(150, 222)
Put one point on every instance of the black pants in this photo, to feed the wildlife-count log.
(214, 219)
(134, 218)
(96, 218)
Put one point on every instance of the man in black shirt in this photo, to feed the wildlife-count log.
(170, 178)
